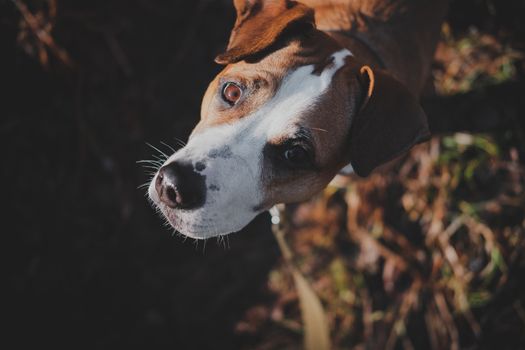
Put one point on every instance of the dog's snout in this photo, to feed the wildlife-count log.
(179, 186)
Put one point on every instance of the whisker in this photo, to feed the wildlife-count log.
(148, 162)
(204, 246)
(154, 167)
(180, 142)
(158, 150)
(171, 148)
(160, 158)
(220, 241)
(144, 185)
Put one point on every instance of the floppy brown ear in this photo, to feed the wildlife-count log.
(389, 123)
(259, 24)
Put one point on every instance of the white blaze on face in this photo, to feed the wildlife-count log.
(233, 155)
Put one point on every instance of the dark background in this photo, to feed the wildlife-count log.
(90, 264)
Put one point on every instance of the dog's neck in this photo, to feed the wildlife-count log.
(359, 45)
(372, 30)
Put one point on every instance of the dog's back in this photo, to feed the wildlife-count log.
(398, 34)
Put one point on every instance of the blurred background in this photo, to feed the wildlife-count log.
(428, 254)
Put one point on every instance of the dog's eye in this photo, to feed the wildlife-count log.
(231, 93)
(296, 155)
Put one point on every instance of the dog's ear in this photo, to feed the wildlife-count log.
(389, 122)
(260, 23)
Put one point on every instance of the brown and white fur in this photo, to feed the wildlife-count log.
(336, 82)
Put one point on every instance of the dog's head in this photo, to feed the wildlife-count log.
(289, 110)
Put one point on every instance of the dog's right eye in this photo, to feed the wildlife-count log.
(231, 93)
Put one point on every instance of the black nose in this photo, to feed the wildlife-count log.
(179, 186)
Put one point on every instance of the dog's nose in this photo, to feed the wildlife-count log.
(179, 186)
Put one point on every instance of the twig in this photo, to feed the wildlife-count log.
(446, 316)
(430, 322)
(42, 34)
(409, 300)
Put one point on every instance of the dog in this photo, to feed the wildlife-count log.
(309, 87)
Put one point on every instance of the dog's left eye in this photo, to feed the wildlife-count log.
(231, 93)
(296, 155)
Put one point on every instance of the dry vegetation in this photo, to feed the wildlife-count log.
(412, 257)
(427, 253)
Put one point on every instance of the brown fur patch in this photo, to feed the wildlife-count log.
(259, 25)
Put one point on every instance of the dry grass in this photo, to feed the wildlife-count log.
(472, 61)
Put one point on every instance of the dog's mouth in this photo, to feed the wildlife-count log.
(177, 219)
(186, 227)
(195, 226)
